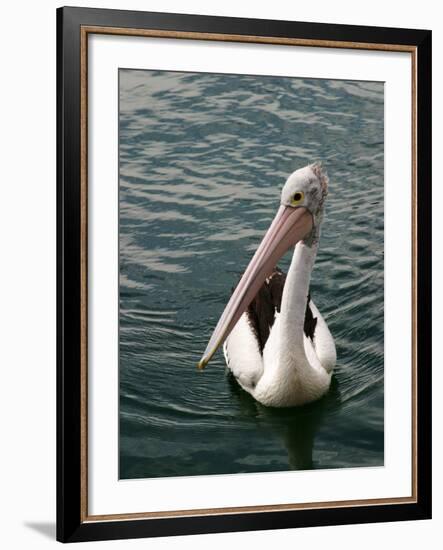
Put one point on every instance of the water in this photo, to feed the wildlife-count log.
(202, 160)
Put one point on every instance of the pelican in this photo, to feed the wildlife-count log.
(276, 343)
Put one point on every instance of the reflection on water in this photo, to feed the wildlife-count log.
(297, 427)
(202, 160)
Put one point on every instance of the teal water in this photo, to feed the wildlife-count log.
(202, 160)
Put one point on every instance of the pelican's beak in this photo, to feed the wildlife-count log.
(289, 226)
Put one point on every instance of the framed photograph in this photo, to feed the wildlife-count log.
(244, 274)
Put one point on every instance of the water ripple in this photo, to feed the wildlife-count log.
(202, 161)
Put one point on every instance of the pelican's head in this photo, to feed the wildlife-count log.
(307, 187)
(297, 219)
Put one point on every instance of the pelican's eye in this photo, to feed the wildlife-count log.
(297, 198)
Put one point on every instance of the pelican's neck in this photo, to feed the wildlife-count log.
(293, 304)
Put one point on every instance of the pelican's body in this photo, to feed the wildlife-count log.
(284, 370)
(276, 343)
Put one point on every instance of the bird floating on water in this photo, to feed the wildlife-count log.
(276, 343)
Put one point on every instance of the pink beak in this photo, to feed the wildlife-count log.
(289, 226)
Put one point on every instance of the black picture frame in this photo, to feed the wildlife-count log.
(71, 523)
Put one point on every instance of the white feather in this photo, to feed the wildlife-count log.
(242, 354)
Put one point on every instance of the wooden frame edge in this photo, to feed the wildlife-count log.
(414, 296)
(85, 30)
(202, 512)
(84, 274)
(282, 41)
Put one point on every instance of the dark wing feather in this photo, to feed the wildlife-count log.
(262, 309)
(310, 321)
